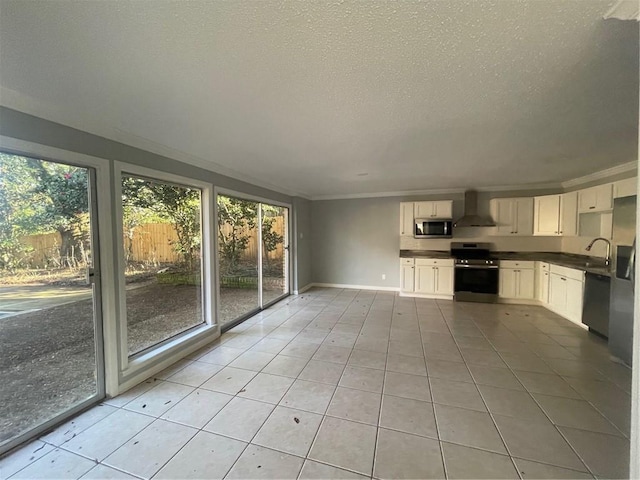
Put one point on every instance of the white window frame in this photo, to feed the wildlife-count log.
(134, 368)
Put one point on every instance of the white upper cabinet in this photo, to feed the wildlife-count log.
(569, 214)
(546, 215)
(436, 209)
(596, 199)
(513, 216)
(556, 215)
(625, 188)
(406, 219)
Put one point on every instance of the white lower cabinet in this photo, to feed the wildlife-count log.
(566, 290)
(407, 277)
(542, 282)
(427, 277)
(560, 289)
(517, 280)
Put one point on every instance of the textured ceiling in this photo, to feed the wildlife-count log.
(305, 96)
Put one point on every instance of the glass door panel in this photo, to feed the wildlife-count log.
(275, 252)
(163, 260)
(238, 257)
(49, 295)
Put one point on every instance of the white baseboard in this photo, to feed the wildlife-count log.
(303, 289)
(355, 287)
(520, 301)
(426, 295)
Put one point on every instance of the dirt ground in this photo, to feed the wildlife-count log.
(47, 360)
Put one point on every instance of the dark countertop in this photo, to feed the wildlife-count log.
(580, 262)
(425, 254)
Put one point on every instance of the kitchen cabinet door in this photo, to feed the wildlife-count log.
(542, 289)
(406, 219)
(425, 279)
(574, 300)
(444, 280)
(407, 278)
(525, 284)
(546, 215)
(569, 214)
(596, 199)
(558, 293)
(424, 210)
(508, 282)
(625, 188)
(502, 212)
(436, 209)
(524, 216)
(443, 209)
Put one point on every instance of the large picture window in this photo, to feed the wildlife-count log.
(162, 239)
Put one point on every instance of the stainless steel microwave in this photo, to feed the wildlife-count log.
(432, 228)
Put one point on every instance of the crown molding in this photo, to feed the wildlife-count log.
(624, 10)
(400, 193)
(602, 174)
(516, 188)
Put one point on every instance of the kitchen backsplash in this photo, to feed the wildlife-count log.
(575, 245)
(504, 244)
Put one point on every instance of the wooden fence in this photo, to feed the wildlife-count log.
(150, 243)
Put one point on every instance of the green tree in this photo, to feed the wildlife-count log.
(241, 216)
(64, 193)
(178, 205)
(37, 196)
(16, 211)
(270, 238)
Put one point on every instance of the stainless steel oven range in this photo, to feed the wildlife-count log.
(476, 273)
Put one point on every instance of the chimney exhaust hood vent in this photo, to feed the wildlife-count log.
(471, 217)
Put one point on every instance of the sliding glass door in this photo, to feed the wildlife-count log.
(275, 252)
(50, 324)
(253, 256)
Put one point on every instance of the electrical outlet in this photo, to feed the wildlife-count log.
(384, 276)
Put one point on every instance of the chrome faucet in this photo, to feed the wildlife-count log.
(607, 259)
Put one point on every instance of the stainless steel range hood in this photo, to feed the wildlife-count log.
(471, 217)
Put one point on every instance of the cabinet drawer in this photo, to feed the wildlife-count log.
(567, 272)
(522, 264)
(542, 266)
(406, 261)
(439, 262)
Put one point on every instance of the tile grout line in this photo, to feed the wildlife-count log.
(384, 381)
(324, 416)
(539, 406)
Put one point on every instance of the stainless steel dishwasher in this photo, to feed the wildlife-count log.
(595, 308)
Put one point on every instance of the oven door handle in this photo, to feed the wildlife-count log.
(479, 267)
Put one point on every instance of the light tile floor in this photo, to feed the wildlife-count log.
(358, 384)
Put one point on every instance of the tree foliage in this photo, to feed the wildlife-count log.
(241, 216)
(37, 196)
(145, 199)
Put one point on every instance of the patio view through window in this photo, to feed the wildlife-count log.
(163, 260)
(48, 361)
(253, 255)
